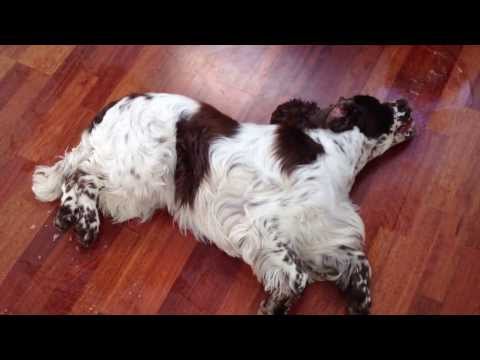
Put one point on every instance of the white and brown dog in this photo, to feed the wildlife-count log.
(276, 195)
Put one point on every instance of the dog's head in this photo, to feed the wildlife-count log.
(386, 124)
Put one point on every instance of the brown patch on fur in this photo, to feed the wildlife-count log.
(194, 137)
(294, 148)
(299, 113)
(302, 114)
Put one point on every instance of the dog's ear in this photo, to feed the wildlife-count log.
(296, 113)
(343, 115)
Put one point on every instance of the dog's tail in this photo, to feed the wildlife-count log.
(47, 181)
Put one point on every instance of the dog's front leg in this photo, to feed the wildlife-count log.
(350, 269)
(283, 277)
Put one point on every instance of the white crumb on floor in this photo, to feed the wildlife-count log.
(33, 227)
(39, 257)
(433, 72)
(55, 237)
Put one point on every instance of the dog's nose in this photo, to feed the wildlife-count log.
(402, 106)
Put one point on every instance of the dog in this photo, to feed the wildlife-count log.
(275, 195)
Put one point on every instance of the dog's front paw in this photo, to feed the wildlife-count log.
(359, 298)
(273, 306)
(263, 310)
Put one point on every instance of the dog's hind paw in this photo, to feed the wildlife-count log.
(87, 225)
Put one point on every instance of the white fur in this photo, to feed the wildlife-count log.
(245, 205)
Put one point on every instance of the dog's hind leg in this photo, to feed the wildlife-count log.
(79, 207)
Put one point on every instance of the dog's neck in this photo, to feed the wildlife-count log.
(352, 145)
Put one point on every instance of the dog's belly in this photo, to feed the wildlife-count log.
(252, 214)
(248, 211)
(252, 209)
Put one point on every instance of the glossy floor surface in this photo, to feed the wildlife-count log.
(420, 202)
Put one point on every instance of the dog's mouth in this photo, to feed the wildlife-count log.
(407, 128)
(404, 114)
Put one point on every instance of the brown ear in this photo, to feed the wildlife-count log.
(342, 116)
(296, 113)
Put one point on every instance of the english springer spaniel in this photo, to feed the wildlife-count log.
(275, 195)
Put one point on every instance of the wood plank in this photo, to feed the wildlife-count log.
(420, 202)
(64, 122)
(442, 260)
(45, 58)
(5, 65)
(395, 287)
(425, 306)
(422, 78)
(244, 295)
(22, 216)
(203, 283)
(60, 80)
(63, 271)
(21, 277)
(153, 69)
(12, 80)
(321, 298)
(464, 291)
(459, 90)
(15, 126)
(13, 51)
(109, 74)
(151, 269)
(104, 278)
(385, 71)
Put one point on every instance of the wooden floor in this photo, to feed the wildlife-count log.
(420, 202)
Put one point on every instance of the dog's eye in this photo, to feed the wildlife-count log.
(353, 111)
